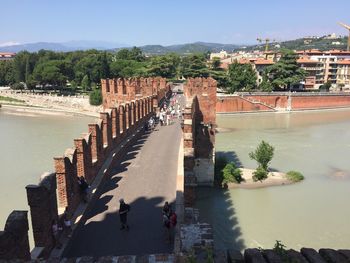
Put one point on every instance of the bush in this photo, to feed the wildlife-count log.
(295, 176)
(220, 163)
(17, 86)
(232, 174)
(260, 174)
(95, 97)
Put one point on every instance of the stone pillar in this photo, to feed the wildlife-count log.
(142, 106)
(43, 209)
(133, 113)
(137, 111)
(14, 242)
(106, 129)
(127, 116)
(122, 119)
(96, 143)
(84, 159)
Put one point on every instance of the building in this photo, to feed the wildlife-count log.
(221, 55)
(328, 66)
(7, 55)
(343, 73)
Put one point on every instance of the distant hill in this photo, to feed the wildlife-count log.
(189, 48)
(321, 43)
(147, 49)
(182, 49)
(63, 47)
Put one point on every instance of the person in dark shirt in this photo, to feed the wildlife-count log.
(123, 214)
(84, 187)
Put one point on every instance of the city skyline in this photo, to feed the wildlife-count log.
(141, 23)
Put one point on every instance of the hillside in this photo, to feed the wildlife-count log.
(190, 48)
(303, 44)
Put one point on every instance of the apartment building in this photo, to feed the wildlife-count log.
(328, 66)
(7, 55)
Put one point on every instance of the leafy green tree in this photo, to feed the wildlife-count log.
(133, 54)
(194, 66)
(127, 68)
(49, 73)
(265, 85)
(215, 63)
(6, 73)
(241, 77)
(95, 97)
(263, 154)
(85, 83)
(286, 71)
(165, 66)
(232, 174)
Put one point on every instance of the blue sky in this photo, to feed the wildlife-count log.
(166, 22)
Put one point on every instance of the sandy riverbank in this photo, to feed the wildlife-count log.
(274, 179)
(24, 110)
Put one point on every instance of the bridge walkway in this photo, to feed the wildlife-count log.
(145, 178)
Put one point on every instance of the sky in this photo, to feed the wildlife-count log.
(167, 22)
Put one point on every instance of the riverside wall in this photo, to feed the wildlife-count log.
(256, 102)
(59, 192)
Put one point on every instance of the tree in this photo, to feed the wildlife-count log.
(50, 73)
(215, 63)
(85, 83)
(285, 72)
(95, 97)
(263, 154)
(194, 66)
(241, 77)
(165, 66)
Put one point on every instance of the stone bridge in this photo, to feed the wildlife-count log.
(120, 160)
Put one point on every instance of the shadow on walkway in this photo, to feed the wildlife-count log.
(104, 237)
(135, 177)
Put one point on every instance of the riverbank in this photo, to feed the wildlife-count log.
(273, 179)
(23, 109)
(48, 104)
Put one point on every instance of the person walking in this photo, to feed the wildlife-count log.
(84, 187)
(124, 209)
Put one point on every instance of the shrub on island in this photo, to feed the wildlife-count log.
(295, 176)
(232, 174)
(220, 163)
(260, 174)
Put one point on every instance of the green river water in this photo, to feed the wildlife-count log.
(313, 213)
(28, 142)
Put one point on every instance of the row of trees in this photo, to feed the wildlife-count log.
(84, 69)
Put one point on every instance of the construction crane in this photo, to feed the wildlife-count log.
(267, 41)
(348, 28)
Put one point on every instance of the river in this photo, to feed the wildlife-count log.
(313, 213)
(29, 141)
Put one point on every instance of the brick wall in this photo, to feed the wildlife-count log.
(270, 102)
(198, 134)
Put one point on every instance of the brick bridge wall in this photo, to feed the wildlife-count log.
(270, 101)
(199, 134)
(59, 191)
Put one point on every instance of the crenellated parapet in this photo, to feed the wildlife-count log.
(120, 91)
